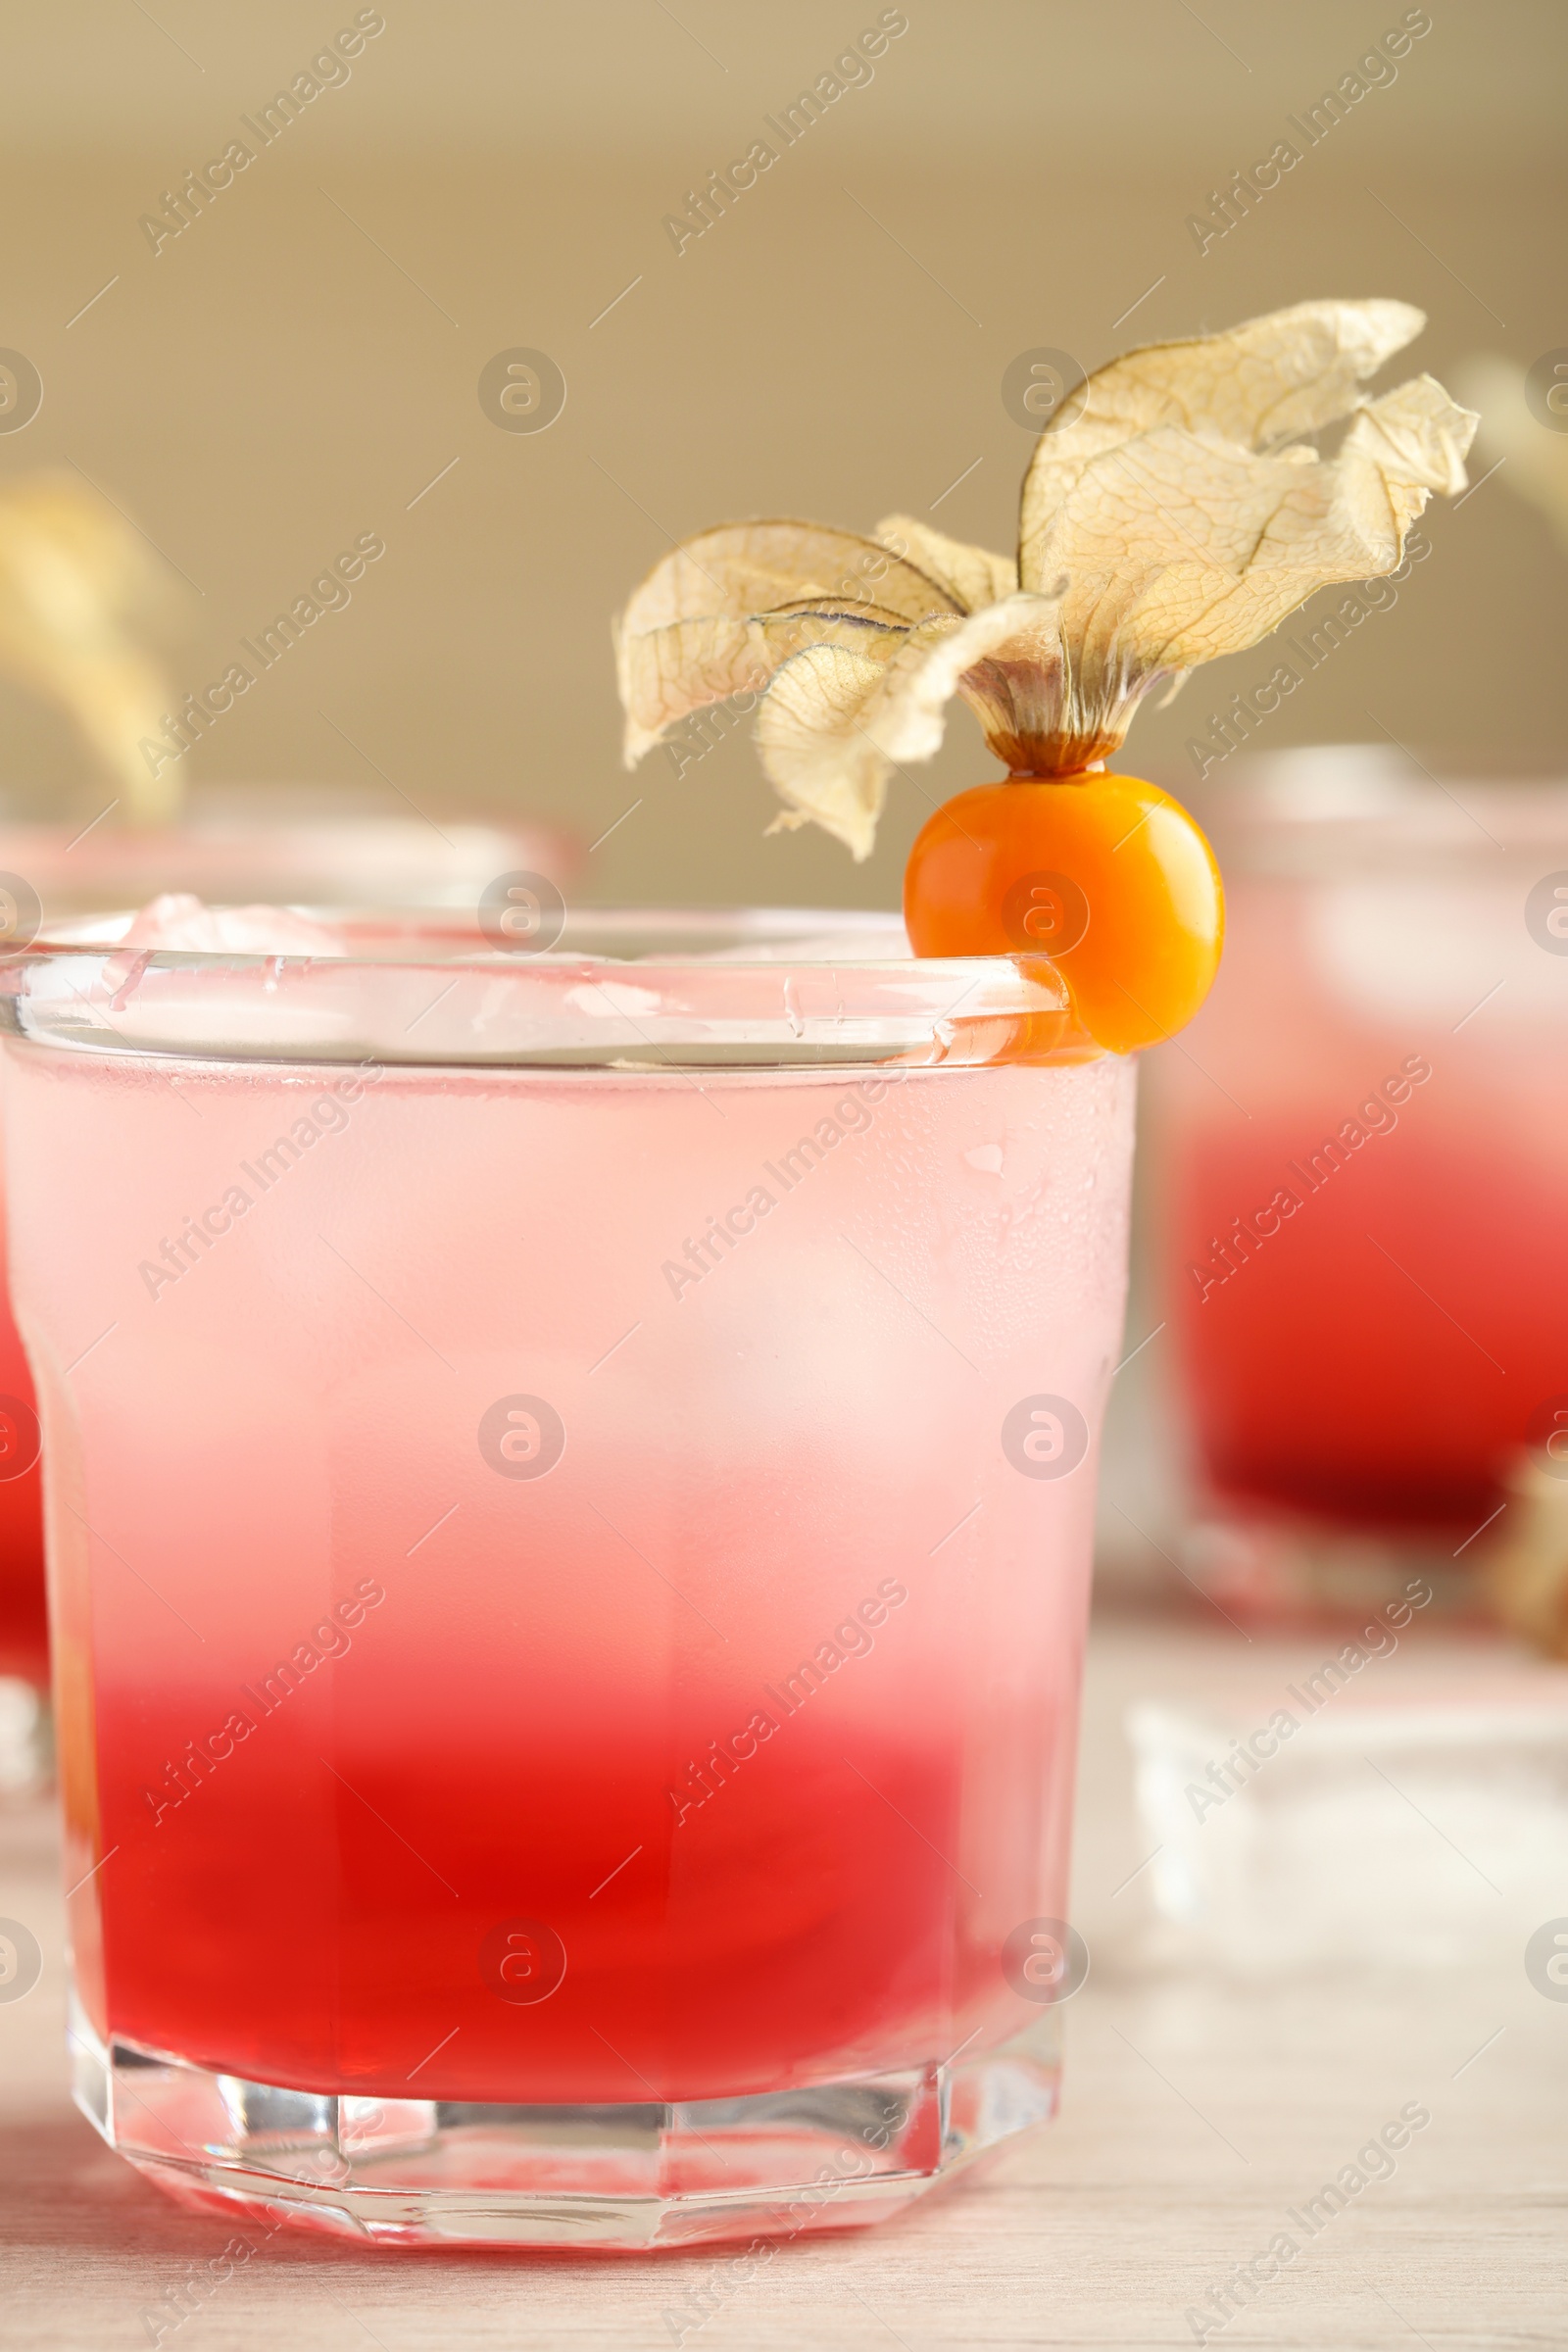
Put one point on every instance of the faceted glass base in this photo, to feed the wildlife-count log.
(435, 2172)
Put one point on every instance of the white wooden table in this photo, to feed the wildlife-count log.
(1197, 2113)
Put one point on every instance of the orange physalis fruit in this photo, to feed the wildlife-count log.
(1106, 875)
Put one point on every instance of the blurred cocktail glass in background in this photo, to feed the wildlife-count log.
(1358, 1180)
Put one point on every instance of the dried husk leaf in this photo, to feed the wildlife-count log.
(1189, 523)
(1228, 544)
(839, 719)
(718, 615)
(737, 569)
(1170, 514)
(826, 768)
(971, 575)
(1268, 381)
(75, 589)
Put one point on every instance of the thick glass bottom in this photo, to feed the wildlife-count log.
(433, 2171)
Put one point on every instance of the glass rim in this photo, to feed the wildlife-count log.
(1351, 807)
(664, 935)
(705, 987)
(363, 857)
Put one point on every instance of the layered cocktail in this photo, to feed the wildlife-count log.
(570, 1571)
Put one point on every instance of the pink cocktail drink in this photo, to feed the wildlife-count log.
(570, 1568)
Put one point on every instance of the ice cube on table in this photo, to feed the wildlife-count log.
(1321, 1826)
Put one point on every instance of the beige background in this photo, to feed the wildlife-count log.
(282, 377)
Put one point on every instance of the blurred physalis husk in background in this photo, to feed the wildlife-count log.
(78, 594)
(1527, 1567)
(1524, 431)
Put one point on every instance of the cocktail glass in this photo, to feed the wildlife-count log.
(282, 845)
(1360, 1161)
(570, 1559)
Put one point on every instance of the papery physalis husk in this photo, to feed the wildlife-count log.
(77, 586)
(1524, 1566)
(1533, 459)
(1172, 511)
